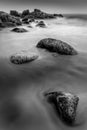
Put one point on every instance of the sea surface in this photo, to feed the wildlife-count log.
(22, 104)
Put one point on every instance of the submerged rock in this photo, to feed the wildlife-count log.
(57, 46)
(19, 30)
(41, 24)
(21, 58)
(65, 105)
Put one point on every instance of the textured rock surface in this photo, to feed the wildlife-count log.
(41, 24)
(25, 13)
(19, 30)
(15, 13)
(23, 57)
(65, 105)
(57, 46)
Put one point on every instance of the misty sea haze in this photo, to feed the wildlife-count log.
(22, 86)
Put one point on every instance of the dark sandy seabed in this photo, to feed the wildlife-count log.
(22, 105)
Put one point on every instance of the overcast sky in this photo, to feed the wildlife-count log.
(57, 6)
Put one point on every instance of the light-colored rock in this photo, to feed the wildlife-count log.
(23, 57)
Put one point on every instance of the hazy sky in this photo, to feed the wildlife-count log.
(57, 6)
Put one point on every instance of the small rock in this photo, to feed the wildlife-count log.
(30, 26)
(41, 24)
(19, 30)
(65, 105)
(23, 57)
(57, 46)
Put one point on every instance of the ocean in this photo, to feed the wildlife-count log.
(22, 104)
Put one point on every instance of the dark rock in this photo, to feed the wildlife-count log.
(25, 22)
(25, 13)
(65, 105)
(8, 20)
(31, 20)
(57, 46)
(58, 15)
(21, 58)
(30, 26)
(15, 13)
(41, 24)
(1, 24)
(19, 30)
(38, 14)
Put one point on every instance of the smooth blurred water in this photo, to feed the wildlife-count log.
(22, 105)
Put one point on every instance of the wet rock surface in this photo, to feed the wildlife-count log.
(19, 30)
(23, 57)
(41, 24)
(57, 46)
(65, 105)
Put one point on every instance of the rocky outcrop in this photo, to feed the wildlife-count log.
(15, 13)
(65, 105)
(23, 57)
(38, 14)
(8, 20)
(19, 30)
(41, 24)
(57, 46)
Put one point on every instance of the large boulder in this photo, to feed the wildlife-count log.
(57, 46)
(19, 30)
(23, 57)
(41, 24)
(65, 105)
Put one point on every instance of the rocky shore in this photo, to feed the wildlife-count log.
(14, 18)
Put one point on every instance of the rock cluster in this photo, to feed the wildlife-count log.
(23, 57)
(65, 105)
(57, 46)
(9, 20)
(15, 18)
(38, 14)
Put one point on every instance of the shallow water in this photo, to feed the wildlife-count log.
(22, 105)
